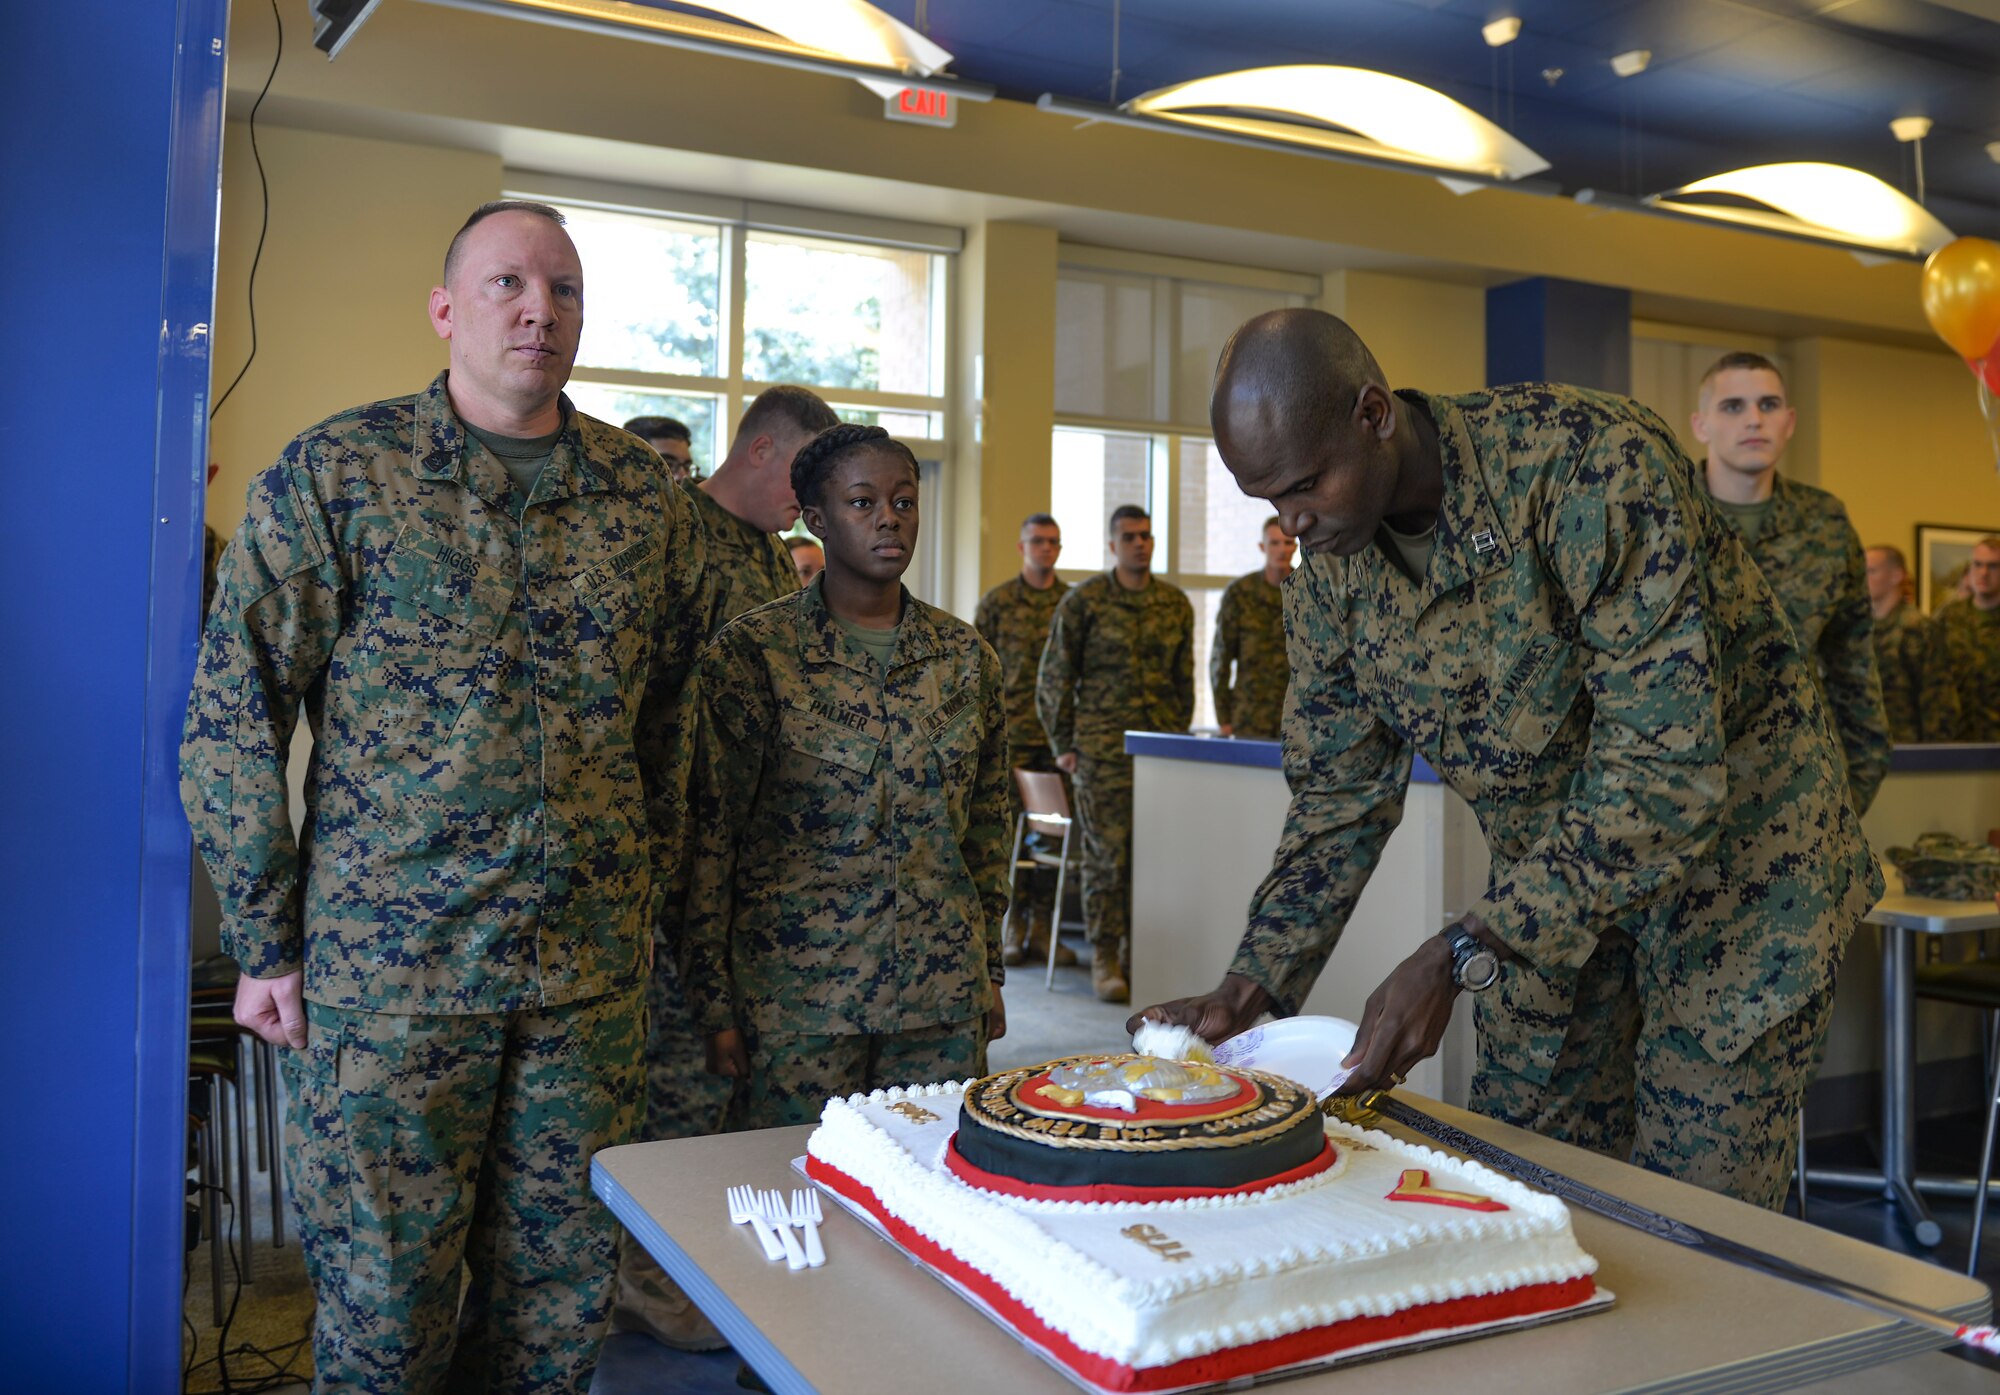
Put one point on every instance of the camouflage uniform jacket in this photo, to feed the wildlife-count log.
(1014, 618)
(486, 683)
(751, 568)
(851, 866)
(1972, 642)
(1917, 689)
(1116, 660)
(1250, 629)
(1811, 557)
(1596, 666)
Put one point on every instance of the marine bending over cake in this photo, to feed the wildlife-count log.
(1529, 586)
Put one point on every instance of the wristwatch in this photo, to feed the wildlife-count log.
(1474, 967)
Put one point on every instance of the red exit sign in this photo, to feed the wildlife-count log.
(921, 105)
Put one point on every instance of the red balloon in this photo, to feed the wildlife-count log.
(1988, 368)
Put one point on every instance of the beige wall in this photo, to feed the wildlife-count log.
(1896, 433)
(1425, 334)
(1018, 343)
(358, 232)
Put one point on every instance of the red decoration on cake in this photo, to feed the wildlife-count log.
(1232, 1363)
(1416, 1186)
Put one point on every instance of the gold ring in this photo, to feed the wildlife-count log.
(1396, 1077)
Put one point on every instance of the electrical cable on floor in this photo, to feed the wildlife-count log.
(277, 1360)
(263, 185)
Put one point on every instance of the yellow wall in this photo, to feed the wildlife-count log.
(1018, 341)
(1425, 334)
(357, 236)
(1897, 434)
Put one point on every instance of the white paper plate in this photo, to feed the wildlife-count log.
(1306, 1049)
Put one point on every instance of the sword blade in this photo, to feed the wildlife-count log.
(1630, 1213)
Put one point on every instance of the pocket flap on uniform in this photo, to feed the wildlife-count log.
(1538, 692)
(819, 736)
(448, 582)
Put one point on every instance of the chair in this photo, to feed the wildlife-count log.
(1973, 984)
(1044, 810)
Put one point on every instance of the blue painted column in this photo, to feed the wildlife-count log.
(112, 171)
(1548, 330)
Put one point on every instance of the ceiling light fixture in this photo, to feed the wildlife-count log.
(1501, 32)
(1816, 202)
(1345, 113)
(1632, 62)
(844, 38)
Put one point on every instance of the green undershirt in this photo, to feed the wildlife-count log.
(1413, 548)
(1749, 520)
(522, 457)
(880, 644)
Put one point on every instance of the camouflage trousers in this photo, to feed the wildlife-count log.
(1104, 817)
(793, 1075)
(1632, 1082)
(682, 1101)
(418, 1143)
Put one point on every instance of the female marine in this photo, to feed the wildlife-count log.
(850, 796)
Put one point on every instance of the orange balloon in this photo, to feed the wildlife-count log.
(1962, 295)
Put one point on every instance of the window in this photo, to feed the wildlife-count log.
(841, 315)
(1137, 338)
(690, 316)
(652, 293)
(1220, 526)
(1092, 473)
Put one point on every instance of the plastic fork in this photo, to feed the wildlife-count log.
(806, 1216)
(743, 1210)
(772, 1205)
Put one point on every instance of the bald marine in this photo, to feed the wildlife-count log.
(1303, 417)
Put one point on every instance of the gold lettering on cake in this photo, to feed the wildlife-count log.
(915, 1113)
(1158, 1241)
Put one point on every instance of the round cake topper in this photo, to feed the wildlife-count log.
(1121, 1083)
(1127, 1121)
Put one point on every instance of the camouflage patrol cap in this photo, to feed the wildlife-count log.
(1946, 866)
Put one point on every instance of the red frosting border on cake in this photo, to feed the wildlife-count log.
(974, 1176)
(1232, 1362)
(1143, 1108)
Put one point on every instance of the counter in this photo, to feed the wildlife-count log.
(1208, 812)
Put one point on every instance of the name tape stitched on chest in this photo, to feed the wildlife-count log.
(614, 568)
(464, 563)
(941, 717)
(853, 721)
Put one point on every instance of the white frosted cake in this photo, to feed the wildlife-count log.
(1105, 1225)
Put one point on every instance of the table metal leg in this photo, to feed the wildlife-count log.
(1898, 1085)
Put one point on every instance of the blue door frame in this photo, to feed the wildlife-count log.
(112, 168)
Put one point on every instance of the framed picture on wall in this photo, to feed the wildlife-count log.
(1942, 555)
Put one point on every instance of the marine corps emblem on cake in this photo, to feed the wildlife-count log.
(1136, 1128)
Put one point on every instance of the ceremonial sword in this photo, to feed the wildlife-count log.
(1630, 1213)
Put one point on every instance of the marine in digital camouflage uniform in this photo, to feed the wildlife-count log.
(490, 670)
(1118, 658)
(1247, 669)
(1014, 618)
(1918, 695)
(1801, 540)
(850, 873)
(1593, 662)
(1972, 641)
(749, 566)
